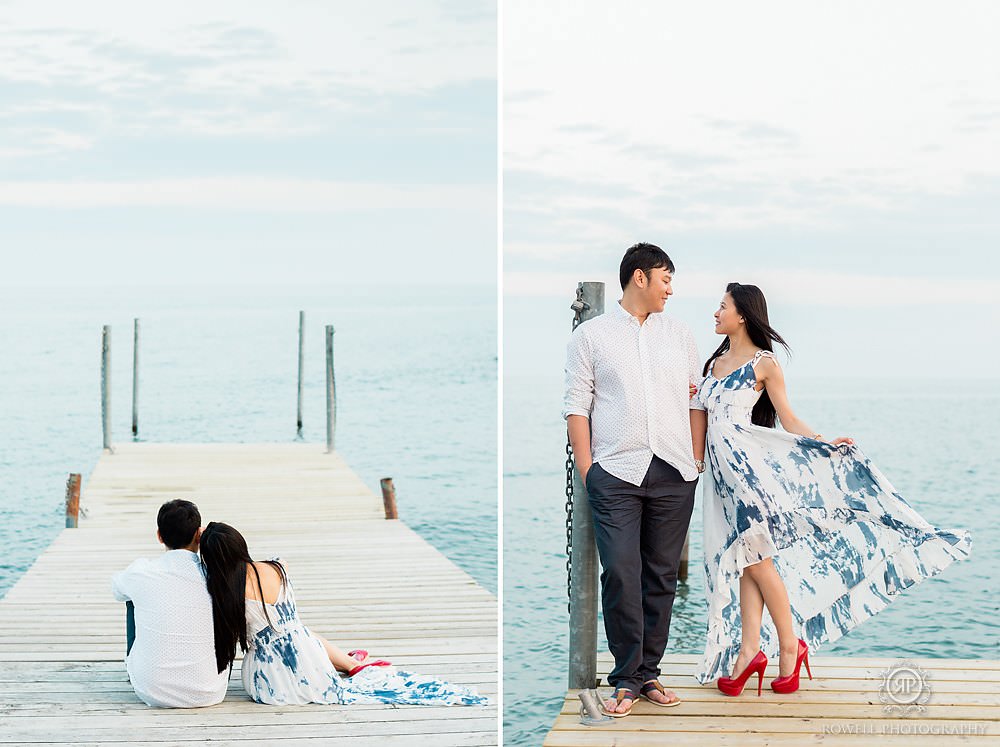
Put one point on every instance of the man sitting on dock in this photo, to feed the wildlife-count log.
(170, 654)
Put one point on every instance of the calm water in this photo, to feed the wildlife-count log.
(936, 444)
(416, 383)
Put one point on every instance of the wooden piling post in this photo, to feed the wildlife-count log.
(106, 386)
(302, 327)
(583, 592)
(135, 379)
(682, 569)
(331, 392)
(389, 498)
(73, 501)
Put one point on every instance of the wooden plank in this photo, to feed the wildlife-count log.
(841, 706)
(62, 680)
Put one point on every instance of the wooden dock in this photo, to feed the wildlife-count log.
(841, 706)
(360, 580)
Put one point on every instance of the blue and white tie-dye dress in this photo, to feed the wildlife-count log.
(841, 537)
(287, 665)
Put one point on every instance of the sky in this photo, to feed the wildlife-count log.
(843, 157)
(248, 142)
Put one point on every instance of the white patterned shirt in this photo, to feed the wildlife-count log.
(172, 662)
(631, 380)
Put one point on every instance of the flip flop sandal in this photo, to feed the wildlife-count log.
(655, 685)
(620, 694)
(354, 654)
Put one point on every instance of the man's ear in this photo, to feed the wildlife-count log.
(197, 534)
(639, 277)
(159, 538)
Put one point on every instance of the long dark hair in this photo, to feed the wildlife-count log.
(751, 305)
(226, 558)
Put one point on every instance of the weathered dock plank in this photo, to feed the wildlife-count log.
(360, 580)
(841, 706)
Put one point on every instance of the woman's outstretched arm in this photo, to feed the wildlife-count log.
(773, 378)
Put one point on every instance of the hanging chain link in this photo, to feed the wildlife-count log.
(578, 306)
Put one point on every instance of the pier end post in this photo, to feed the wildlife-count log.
(73, 501)
(583, 587)
(302, 327)
(106, 386)
(331, 392)
(389, 498)
(135, 380)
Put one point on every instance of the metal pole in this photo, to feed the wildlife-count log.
(389, 498)
(302, 327)
(331, 392)
(135, 380)
(73, 501)
(106, 386)
(583, 592)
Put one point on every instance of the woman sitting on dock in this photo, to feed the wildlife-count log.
(253, 605)
(807, 527)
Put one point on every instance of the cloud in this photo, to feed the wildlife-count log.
(786, 287)
(279, 195)
(743, 127)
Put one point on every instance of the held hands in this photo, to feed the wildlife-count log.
(692, 390)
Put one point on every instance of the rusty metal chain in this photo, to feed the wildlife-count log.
(578, 307)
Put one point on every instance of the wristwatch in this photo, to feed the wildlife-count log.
(700, 465)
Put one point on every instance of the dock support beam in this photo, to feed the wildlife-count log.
(389, 498)
(106, 386)
(583, 592)
(73, 501)
(331, 391)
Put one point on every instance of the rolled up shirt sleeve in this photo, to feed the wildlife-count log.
(694, 366)
(579, 399)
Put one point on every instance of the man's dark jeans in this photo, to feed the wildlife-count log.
(640, 533)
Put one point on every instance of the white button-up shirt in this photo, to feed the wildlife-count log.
(172, 663)
(632, 381)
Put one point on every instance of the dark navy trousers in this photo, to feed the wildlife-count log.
(640, 534)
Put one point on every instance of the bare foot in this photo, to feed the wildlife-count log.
(786, 659)
(654, 694)
(743, 661)
(611, 705)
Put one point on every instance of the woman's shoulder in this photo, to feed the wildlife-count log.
(765, 362)
(271, 574)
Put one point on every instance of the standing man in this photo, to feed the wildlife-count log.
(639, 442)
(171, 637)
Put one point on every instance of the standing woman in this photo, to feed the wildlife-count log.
(807, 528)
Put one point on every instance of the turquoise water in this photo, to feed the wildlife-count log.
(416, 382)
(936, 441)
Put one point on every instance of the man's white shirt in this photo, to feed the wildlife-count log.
(632, 381)
(172, 662)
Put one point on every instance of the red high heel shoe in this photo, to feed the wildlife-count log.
(790, 683)
(734, 686)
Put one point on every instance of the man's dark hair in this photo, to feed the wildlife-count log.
(643, 257)
(178, 520)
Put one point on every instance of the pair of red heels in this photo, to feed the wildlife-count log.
(781, 685)
(360, 654)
